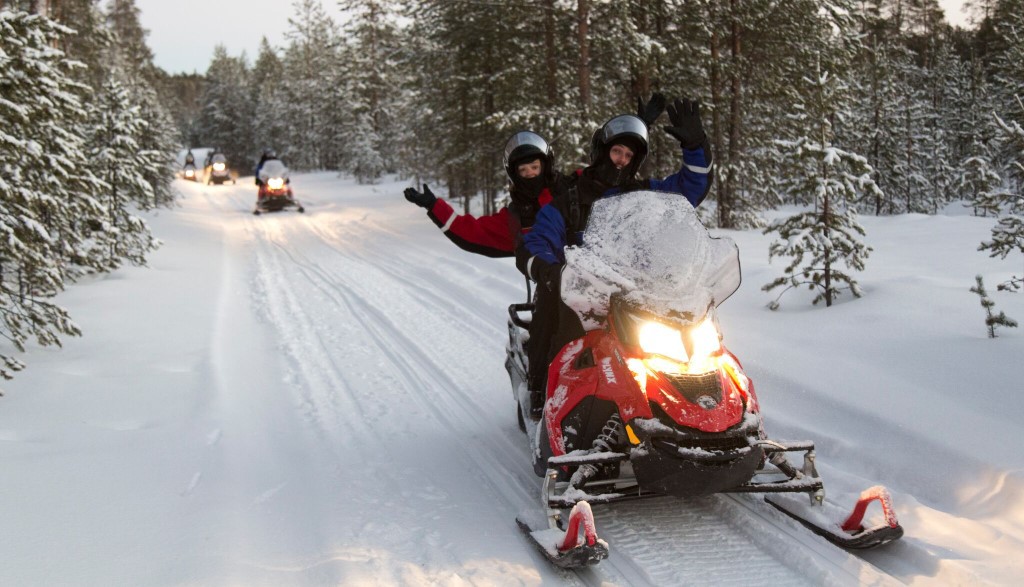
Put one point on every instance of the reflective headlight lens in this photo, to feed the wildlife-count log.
(189, 173)
(218, 167)
(275, 183)
(705, 340)
(659, 339)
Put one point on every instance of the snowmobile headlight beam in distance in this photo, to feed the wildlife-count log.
(218, 166)
(275, 183)
(189, 172)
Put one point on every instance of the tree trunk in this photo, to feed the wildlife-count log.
(717, 140)
(550, 58)
(727, 217)
(583, 38)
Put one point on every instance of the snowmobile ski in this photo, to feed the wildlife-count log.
(576, 547)
(848, 533)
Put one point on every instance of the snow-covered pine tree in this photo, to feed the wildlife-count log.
(940, 136)
(226, 119)
(1008, 89)
(115, 156)
(1008, 202)
(271, 131)
(371, 72)
(1003, 29)
(458, 79)
(992, 320)
(824, 244)
(309, 60)
(45, 183)
(131, 60)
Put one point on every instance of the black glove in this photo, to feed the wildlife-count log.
(548, 275)
(686, 126)
(650, 111)
(425, 199)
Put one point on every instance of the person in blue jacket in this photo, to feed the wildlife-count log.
(618, 149)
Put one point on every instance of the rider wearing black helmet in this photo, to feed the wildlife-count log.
(530, 165)
(618, 149)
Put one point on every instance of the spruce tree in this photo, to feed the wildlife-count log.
(226, 118)
(271, 129)
(310, 60)
(992, 320)
(116, 157)
(370, 59)
(45, 183)
(824, 244)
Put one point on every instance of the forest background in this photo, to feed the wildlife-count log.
(843, 107)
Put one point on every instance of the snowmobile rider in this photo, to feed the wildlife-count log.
(530, 166)
(617, 151)
(190, 159)
(267, 155)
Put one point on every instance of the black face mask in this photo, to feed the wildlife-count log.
(528, 188)
(605, 172)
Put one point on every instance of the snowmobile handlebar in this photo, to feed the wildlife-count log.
(515, 309)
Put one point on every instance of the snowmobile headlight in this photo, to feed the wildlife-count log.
(275, 183)
(659, 339)
(218, 167)
(705, 340)
(189, 173)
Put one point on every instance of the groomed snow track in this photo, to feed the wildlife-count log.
(393, 343)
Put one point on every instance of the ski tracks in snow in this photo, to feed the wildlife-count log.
(376, 335)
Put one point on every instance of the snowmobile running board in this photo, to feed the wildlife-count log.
(850, 534)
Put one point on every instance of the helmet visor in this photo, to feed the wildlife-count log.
(525, 143)
(626, 125)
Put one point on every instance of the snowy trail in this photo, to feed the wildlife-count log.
(319, 398)
(376, 347)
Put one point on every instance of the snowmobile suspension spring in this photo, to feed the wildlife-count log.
(610, 436)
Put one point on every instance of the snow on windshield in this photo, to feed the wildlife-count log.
(273, 168)
(651, 247)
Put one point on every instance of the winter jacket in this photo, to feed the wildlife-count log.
(494, 235)
(543, 247)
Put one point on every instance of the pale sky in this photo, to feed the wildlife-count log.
(183, 34)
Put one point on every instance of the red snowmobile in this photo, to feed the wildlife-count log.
(275, 192)
(649, 402)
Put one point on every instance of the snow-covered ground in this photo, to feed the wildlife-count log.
(319, 399)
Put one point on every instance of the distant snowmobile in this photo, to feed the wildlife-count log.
(649, 402)
(275, 191)
(189, 172)
(217, 170)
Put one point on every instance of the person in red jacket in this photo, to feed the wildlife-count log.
(530, 165)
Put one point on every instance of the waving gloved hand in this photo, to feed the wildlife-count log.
(650, 111)
(424, 199)
(686, 125)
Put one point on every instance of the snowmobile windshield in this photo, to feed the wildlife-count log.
(273, 168)
(650, 249)
(218, 158)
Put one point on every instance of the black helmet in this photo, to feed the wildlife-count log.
(269, 153)
(622, 130)
(526, 146)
